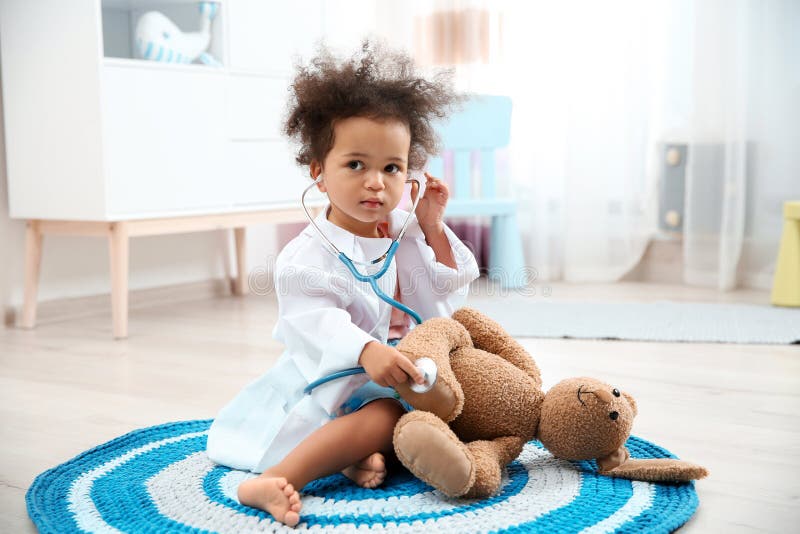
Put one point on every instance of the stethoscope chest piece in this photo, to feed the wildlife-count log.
(429, 373)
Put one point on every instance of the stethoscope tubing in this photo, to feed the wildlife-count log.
(372, 280)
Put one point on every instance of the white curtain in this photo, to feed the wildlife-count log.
(598, 88)
(745, 135)
(587, 112)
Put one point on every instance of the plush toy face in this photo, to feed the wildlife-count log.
(584, 418)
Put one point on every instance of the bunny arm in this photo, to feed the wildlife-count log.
(619, 464)
(435, 339)
(488, 335)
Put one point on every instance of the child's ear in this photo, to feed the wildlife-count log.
(316, 169)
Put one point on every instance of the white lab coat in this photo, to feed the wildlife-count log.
(325, 317)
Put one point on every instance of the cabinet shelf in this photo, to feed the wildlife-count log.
(120, 17)
(133, 63)
(148, 4)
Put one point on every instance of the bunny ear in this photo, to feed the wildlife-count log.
(632, 402)
(619, 464)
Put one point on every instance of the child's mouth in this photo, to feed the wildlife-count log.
(371, 204)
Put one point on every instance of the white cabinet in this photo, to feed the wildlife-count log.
(175, 118)
(100, 143)
(104, 137)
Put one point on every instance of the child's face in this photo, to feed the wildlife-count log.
(365, 171)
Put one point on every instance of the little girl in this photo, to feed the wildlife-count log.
(362, 124)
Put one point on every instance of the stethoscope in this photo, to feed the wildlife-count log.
(425, 365)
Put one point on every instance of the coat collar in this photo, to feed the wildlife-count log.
(357, 247)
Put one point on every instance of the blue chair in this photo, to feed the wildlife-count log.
(482, 127)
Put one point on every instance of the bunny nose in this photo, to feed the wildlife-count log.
(603, 395)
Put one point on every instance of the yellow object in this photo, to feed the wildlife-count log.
(786, 286)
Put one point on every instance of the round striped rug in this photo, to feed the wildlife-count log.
(159, 479)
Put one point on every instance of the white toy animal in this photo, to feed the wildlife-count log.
(159, 39)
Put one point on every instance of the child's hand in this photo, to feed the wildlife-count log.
(387, 366)
(430, 210)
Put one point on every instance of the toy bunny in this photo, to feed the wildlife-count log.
(488, 402)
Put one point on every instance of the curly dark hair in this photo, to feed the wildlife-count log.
(376, 83)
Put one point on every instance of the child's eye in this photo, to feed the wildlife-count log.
(392, 168)
(355, 165)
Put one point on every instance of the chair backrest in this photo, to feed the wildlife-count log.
(482, 126)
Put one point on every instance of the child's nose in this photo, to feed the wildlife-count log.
(375, 180)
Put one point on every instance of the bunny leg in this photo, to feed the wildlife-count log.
(433, 453)
(488, 335)
(489, 459)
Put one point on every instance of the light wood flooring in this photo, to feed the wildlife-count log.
(67, 386)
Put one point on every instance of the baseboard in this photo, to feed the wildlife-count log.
(661, 263)
(53, 311)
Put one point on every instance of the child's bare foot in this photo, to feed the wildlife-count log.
(369, 472)
(274, 495)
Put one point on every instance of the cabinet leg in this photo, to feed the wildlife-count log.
(33, 261)
(119, 244)
(240, 284)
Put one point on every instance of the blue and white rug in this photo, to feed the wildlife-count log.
(159, 479)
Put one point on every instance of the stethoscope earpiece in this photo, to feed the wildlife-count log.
(338, 253)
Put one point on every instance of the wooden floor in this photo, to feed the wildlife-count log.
(66, 387)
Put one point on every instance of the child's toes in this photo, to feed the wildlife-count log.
(375, 481)
(291, 518)
(288, 490)
(374, 462)
(294, 500)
